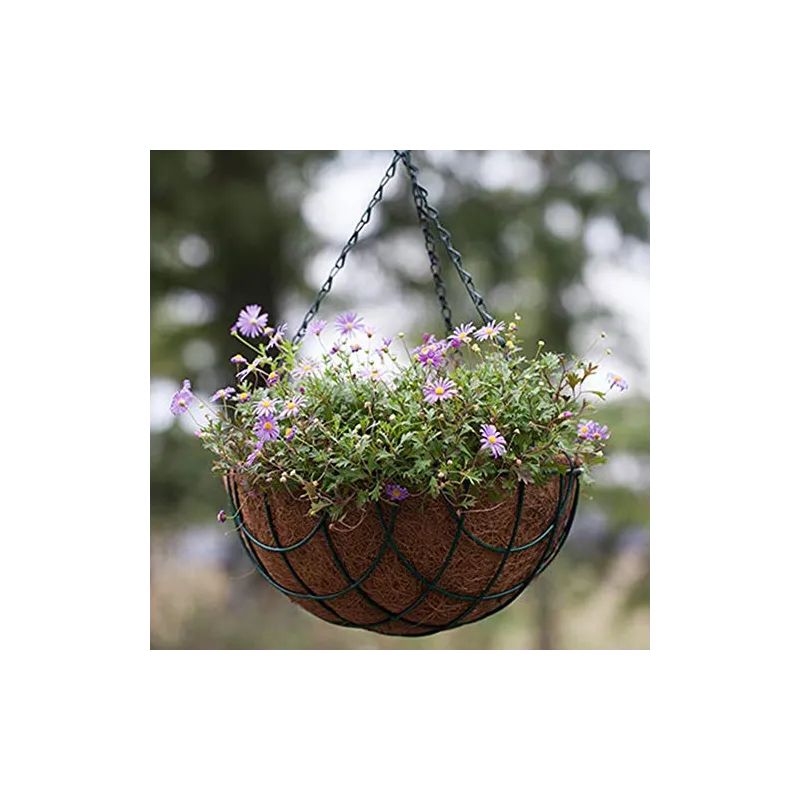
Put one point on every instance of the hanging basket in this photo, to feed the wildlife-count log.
(412, 569)
(421, 566)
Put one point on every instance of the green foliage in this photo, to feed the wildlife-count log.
(342, 430)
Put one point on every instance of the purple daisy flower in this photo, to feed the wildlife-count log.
(251, 459)
(222, 516)
(238, 359)
(372, 373)
(182, 399)
(585, 429)
(429, 354)
(289, 433)
(441, 389)
(395, 492)
(306, 367)
(249, 368)
(489, 331)
(267, 428)
(266, 405)
(387, 341)
(592, 431)
(243, 397)
(492, 439)
(349, 322)
(291, 408)
(278, 335)
(223, 394)
(566, 414)
(251, 321)
(616, 380)
(370, 330)
(272, 378)
(317, 326)
(461, 335)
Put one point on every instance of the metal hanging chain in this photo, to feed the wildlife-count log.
(426, 214)
(351, 243)
(432, 214)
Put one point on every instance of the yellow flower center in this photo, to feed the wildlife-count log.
(290, 405)
(438, 390)
(396, 493)
(267, 426)
(492, 439)
(617, 378)
(243, 396)
(490, 331)
(584, 429)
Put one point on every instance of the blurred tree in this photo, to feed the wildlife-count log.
(225, 227)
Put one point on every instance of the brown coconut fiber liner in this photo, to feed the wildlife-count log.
(412, 553)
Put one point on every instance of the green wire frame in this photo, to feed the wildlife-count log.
(555, 541)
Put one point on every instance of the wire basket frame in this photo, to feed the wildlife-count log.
(553, 538)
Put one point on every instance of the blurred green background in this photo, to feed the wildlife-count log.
(561, 237)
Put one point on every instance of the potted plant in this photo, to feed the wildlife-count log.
(400, 489)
